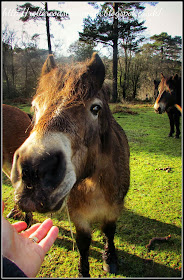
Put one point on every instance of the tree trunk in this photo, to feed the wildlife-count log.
(12, 69)
(134, 92)
(135, 82)
(6, 78)
(126, 70)
(26, 77)
(48, 30)
(124, 86)
(115, 53)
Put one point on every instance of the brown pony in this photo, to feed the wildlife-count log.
(16, 129)
(76, 153)
(168, 99)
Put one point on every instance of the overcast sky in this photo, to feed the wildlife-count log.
(164, 17)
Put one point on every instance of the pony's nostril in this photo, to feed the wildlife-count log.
(53, 169)
(46, 171)
(159, 110)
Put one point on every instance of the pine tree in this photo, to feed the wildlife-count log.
(81, 51)
(169, 48)
(114, 23)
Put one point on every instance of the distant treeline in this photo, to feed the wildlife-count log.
(136, 71)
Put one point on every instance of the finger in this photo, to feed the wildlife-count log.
(48, 241)
(19, 226)
(43, 229)
(31, 230)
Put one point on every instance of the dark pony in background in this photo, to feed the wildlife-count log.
(167, 95)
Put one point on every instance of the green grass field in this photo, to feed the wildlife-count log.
(153, 207)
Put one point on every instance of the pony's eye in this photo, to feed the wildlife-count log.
(95, 108)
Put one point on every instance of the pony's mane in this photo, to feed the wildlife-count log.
(69, 85)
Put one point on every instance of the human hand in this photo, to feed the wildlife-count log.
(19, 248)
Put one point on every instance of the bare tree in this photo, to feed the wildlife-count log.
(38, 13)
(8, 38)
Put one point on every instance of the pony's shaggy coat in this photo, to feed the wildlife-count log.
(85, 151)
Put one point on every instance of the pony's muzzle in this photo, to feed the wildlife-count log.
(158, 110)
(36, 178)
(47, 170)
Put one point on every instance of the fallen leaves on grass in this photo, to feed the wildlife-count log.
(167, 169)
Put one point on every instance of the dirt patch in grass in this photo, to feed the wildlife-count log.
(124, 110)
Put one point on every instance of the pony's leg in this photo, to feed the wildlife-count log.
(83, 240)
(110, 263)
(28, 219)
(171, 121)
(177, 124)
(15, 213)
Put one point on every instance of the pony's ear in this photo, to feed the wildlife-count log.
(97, 70)
(48, 65)
(175, 77)
(162, 75)
(156, 84)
